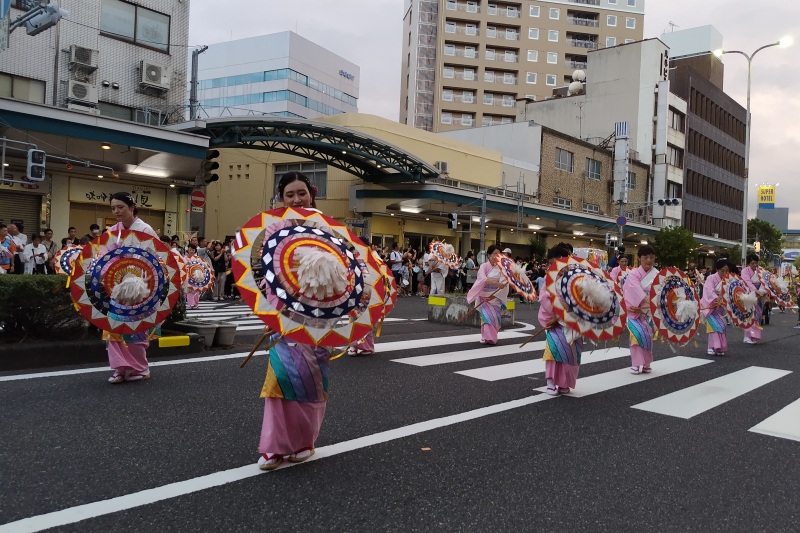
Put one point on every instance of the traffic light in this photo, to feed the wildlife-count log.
(209, 166)
(757, 246)
(669, 201)
(608, 238)
(452, 219)
(48, 17)
(36, 161)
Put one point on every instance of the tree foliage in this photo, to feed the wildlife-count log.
(538, 247)
(767, 234)
(674, 246)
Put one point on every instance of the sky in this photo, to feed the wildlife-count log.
(369, 33)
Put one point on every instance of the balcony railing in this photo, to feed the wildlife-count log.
(582, 44)
(502, 58)
(463, 7)
(501, 79)
(579, 21)
(576, 64)
(503, 12)
(472, 32)
(498, 102)
(587, 2)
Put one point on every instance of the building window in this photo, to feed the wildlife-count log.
(468, 97)
(508, 100)
(22, 88)
(466, 120)
(511, 57)
(552, 57)
(486, 121)
(611, 20)
(674, 156)
(447, 118)
(552, 36)
(488, 76)
(449, 50)
(450, 27)
(472, 7)
(447, 95)
(630, 23)
(564, 160)
(489, 54)
(611, 41)
(676, 120)
(612, 2)
(550, 80)
(564, 203)
(506, 120)
(509, 78)
(631, 180)
(452, 5)
(448, 72)
(135, 24)
(533, 56)
(591, 208)
(470, 52)
(512, 35)
(491, 31)
(469, 74)
(530, 77)
(512, 12)
(317, 174)
(533, 33)
(470, 29)
(488, 98)
(555, 13)
(594, 169)
(534, 11)
(629, 41)
(631, 3)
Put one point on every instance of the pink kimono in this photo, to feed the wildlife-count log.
(490, 296)
(562, 355)
(753, 282)
(616, 271)
(716, 326)
(636, 292)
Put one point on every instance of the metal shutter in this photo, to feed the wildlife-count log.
(25, 207)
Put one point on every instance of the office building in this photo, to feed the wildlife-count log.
(465, 62)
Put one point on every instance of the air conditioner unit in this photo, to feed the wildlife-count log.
(442, 166)
(82, 57)
(156, 75)
(83, 109)
(82, 92)
(715, 235)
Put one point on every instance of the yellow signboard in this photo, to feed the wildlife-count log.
(766, 194)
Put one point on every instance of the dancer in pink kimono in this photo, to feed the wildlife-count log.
(562, 354)
(750, 277)
(490, 295)
(127, 354)
(621, 271)
(713, 309)
(636, 293)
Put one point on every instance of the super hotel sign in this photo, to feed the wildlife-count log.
(766, 195)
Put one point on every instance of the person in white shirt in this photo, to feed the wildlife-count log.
(20, 240)
(395, 262)
(438, 272)
(34, 256)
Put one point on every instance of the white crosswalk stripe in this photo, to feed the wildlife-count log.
(784, 424)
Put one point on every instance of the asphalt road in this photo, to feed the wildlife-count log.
(417, 447)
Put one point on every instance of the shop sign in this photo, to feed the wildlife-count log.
(99, 192)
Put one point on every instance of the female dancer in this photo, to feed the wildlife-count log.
(562, 354)
(714, 310)
(636, 293)
(753, 282)
(127, 354)
(293, 407)
(490, 293)
(620, 272)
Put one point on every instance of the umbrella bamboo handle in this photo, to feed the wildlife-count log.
(266, 334)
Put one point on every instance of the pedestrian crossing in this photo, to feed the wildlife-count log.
(685, 403)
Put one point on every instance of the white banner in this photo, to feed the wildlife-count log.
(99, 192)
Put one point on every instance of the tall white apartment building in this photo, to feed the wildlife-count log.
(465, 62)
(280, 74)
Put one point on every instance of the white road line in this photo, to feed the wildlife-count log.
(180, 488)
(784, 424)
(468, 355)
(444, 341)
(620, 378)
(526, 368)
(698, 399)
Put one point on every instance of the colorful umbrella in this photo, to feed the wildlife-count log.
(181, 265)
(777, 288)
(585, 299)
(445, 253)
(120, 255)
(64, 260)
(674, 305)
(516, 277)
(389, 282)
(739, 301)
(199, 275)
(316, 290)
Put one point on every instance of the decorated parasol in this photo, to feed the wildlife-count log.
(322, 285)
(674, 305)
(516, 277)
(445, 253)
(181, 265)
(389, 283)
(739, 301)
(585, 299)
(199, 275)
(64, 260)
(776, 287)
(130, 286)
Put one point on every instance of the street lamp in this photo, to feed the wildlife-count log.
(783, 43)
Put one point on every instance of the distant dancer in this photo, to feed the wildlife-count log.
(490, 295)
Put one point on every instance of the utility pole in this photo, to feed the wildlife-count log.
(193, 91)
(483, 221)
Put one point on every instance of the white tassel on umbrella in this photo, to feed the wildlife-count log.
(131, 290)
(319, 274)
(685, 310)
(198, 275)
(749, 300)
(595, 292)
